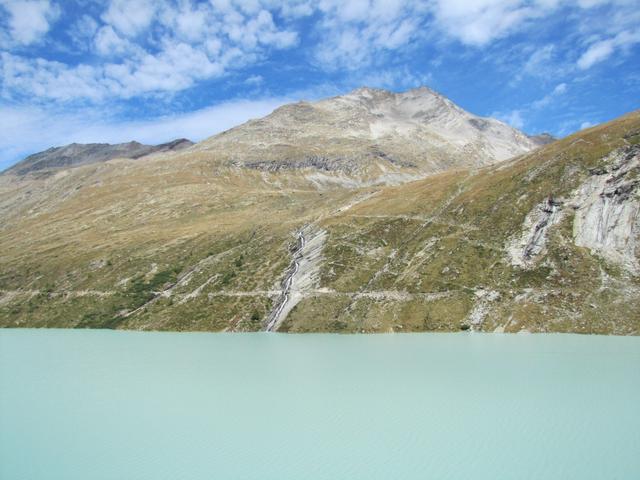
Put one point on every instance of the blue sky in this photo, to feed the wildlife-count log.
(116, 70)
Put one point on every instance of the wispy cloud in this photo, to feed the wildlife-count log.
(39, 128)
(394, 78)
(558, 91)
(601, 50)
(482, 21)
(518, 117)
(513, 118)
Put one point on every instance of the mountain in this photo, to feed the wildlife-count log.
(542, 138)
(260, 228)
(370, 133)
(77, 154)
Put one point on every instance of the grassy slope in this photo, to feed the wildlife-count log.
(110, 235)
(108, 238)
(447, 234)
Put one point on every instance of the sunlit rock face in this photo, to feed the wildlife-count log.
(607, 218)
(370, 132)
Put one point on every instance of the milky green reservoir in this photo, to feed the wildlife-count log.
(117, 405)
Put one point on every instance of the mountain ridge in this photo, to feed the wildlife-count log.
(543, 138)
(76, 154)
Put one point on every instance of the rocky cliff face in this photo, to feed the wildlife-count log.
(607, 218)
(606, 214)
(526, 248)
(77, 154)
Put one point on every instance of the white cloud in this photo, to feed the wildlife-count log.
(516, 118)
(584, 125)
(560, 89)
(394, 78)
(545, 101)
(482, 21)
(159, 47)
(46, 80)
(296, 8)
(109, 43)
(29, 20)
(82, 32)
(354, 34)
(189, 22)
(260, 30)
(150, 48)
(254, 80)
(603, 49)
(539, 60)
(513, 118)
(28, 130)
(176, 68)
(597, 52)
(130, 17)
(597, 3)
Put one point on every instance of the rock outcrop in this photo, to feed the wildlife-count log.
(607, 217)
(525, 249)
(301, 276)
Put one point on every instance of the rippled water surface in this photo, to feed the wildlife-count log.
(118, 405)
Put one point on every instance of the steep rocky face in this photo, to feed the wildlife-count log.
(525, 249)
(77, 154)
(607, 219)
(370, 131)
(606, 214)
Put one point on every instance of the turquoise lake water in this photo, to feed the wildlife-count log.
(124, 405)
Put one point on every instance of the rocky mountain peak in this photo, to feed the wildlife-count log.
(368, 93)
(382, 94)
(370, 129)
